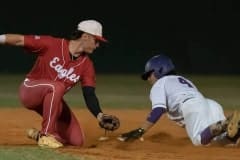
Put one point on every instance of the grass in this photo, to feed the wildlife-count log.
(124, 91)
(113, 91)
(34, 153)
(223, 89)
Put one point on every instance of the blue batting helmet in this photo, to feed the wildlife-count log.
(160, 65)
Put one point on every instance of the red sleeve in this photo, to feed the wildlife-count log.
(36, 44)
(88, 76)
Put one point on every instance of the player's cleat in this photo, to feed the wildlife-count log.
(43, 141)
(233, 124)
(235, 141)
(33, 133)
(49, 142)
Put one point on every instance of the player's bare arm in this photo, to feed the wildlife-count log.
(12, 39)
(147, 125)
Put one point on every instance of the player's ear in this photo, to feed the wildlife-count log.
(152, 78)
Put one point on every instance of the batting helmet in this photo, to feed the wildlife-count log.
(160, 65)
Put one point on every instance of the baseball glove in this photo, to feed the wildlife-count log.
(109, 122)
(132, 135)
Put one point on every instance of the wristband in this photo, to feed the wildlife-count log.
(2, 39)
(155, 114)
(99, 116)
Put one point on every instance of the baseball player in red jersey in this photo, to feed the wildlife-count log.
(60, 65)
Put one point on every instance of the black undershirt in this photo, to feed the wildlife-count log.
(89, 96)
(91, 100)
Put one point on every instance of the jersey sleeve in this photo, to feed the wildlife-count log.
(36, 44)
(158, 96)
(88, 76)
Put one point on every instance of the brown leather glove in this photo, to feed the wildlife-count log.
(109, 122)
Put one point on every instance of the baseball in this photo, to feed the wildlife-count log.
(103, 138)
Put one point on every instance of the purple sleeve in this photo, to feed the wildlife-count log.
(155, 114)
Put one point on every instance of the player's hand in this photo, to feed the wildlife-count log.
(131, 135)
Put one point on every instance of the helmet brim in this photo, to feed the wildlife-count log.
(145, 75)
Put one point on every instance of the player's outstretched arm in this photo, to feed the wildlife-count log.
(107, 122)
(136, 133)
(12, 39)
(153, 117)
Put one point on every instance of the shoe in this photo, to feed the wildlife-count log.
(233, 124)
(49, 142)
(33, 133)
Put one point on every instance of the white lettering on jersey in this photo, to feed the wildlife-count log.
(62, 72)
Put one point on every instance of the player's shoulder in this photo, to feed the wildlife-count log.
(43, 37)
(53, 38)
(168, 79)
(172, 77)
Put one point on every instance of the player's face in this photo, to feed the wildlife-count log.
(90, 44)
(152, 79)
(87, 43)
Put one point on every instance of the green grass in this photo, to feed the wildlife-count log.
(125, 91)
(113, 91)
(223, 89)
(34, 153)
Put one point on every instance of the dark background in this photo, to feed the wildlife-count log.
(202, 37)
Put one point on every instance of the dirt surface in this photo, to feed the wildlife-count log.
(165, 141)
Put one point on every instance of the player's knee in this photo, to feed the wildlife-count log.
(23, 98)
(78, 142)
(76, 138)
(27, 101)
(196, 141)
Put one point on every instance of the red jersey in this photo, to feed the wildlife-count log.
(54, 62)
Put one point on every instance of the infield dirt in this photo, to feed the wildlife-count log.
(165, 141)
